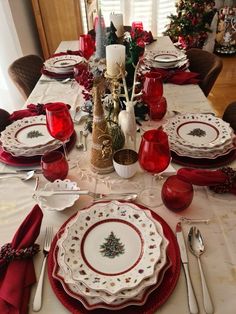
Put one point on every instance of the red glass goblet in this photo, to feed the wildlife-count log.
(152, 87)
(176, 194)
(86, 45)
(137, 25)
(154, 157)
(152, 95)
(54, 166)
(59, 122)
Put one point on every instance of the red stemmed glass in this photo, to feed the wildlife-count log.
(59, 122)
(86, 45)
(154, 157)
(153, 95)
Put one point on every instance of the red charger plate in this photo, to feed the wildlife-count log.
(204, 162)
(22, 161)
(157, 298)
(59, 76)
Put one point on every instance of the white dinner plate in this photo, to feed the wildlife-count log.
(113, 242)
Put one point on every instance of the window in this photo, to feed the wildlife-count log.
(153, 13)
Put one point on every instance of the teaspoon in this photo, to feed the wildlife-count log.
(24, 177)
(196, 246)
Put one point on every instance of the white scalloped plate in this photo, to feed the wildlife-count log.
(58, 202)
(79, 288)
(63, 63)
(136, 241)
(202, 131)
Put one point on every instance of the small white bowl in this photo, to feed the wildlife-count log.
(58, 202)
(125, 162)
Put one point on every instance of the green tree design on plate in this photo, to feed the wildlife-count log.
(197, 132)
(33, 134)
(112, 246)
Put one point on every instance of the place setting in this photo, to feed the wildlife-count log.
(200, 140)
(26, 139)
(116, 277)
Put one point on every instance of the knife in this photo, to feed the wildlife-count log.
(192, 302)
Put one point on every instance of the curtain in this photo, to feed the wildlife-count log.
(153, 13)
(9, 51)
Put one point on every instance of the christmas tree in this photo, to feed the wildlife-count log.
(100, 38)
(190, 25)
(112, 38)
(112, 247)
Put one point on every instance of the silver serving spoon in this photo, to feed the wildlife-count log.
(23, 176)
(196, 246)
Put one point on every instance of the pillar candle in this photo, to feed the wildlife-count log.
(117, 20)
(115, 54)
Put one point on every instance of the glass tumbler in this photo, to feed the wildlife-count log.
(54, 166)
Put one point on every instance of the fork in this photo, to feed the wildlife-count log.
(37, 303)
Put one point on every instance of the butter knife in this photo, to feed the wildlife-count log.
(192, 302)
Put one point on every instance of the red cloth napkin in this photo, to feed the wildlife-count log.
(178, 77)
(32, 110)
(68, 52)
(205, 177)
(17, 277)
(57, 76)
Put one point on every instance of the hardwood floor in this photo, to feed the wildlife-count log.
(224, 90)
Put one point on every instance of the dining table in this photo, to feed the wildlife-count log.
(218, 211)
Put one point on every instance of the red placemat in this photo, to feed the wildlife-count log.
(155, 299)
(22, 161)
(204, 162)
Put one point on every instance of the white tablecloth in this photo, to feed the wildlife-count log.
(219, 260)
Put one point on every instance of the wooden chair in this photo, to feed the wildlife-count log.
(207, 64)
(229, 115)
(25, 73)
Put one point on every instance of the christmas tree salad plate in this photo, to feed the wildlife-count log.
(28, 137)
(77, 289)
(111, 247)
(199, 131)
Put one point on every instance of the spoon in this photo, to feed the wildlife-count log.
(80, 145)
(196, 246)
(24, 176)
(64, 81)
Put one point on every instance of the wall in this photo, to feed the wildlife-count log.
(18, 37)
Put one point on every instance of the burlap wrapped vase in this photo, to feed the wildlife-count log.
(101, 152)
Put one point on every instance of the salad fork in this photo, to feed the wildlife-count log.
(37, 303)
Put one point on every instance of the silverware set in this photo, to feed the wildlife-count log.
(197, 248)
